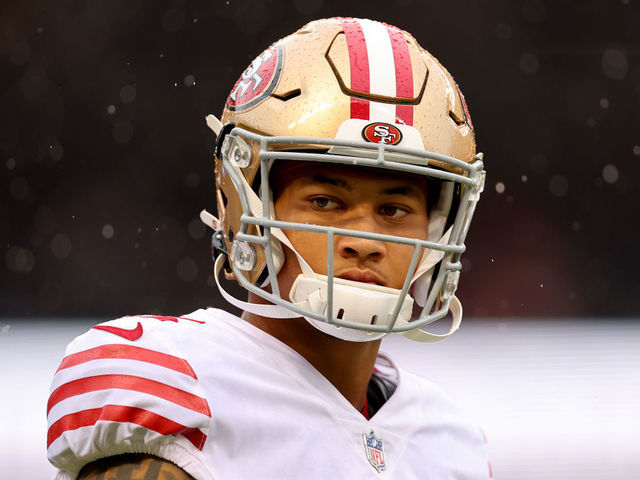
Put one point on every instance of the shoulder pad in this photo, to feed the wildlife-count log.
(124, 387)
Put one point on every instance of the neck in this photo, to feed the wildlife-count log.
(347, 365)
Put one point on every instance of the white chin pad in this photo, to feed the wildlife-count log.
(353, 302)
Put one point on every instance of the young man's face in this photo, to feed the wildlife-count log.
(352, 198)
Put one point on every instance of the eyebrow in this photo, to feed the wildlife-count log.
(407, 190)
(319, 178)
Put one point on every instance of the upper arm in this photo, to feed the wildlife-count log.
(133, 467)
(113, 396)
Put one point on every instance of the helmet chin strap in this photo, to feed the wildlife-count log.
(345, 293)
(353, 302)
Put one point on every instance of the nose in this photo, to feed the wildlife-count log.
(361, 248)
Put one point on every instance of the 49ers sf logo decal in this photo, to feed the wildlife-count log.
(258, 81)
(382, 133)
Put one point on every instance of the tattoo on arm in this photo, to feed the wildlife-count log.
(133, 467)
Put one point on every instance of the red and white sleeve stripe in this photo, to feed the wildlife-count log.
(120, 393)
(380, 65)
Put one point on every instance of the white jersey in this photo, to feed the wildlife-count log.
(224, 400)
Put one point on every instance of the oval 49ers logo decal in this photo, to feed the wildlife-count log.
(380, 132)
(258, 81)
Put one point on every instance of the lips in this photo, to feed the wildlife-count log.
(363, 276)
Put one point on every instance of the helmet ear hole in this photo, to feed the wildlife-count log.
(223, 133)
(222, 198)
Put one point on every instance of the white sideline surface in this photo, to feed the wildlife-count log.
(558, 399)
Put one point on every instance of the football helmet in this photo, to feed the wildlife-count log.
(352, 92)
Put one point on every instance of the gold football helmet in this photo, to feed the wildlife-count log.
(354, 92)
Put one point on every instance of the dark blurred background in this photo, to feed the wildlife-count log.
(106, 161)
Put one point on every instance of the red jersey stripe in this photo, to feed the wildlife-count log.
(129, 382)
(118, 413)
(164, 318)
(359, 65)
(404, 74)
(131, 353)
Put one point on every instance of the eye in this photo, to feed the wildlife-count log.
(394, 212)
(324, 203)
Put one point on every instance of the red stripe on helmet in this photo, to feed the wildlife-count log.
(359, 64)
(404, 74)
(466, 108)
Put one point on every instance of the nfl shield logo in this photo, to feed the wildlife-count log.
(375, 451)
